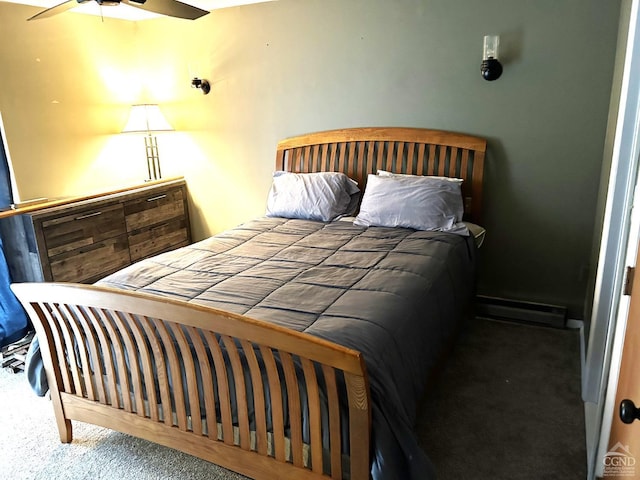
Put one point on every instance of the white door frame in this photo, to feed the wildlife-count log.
(608, 320)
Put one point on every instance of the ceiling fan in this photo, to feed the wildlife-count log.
(171, 8)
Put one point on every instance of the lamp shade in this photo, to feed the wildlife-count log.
(490, 47)
(490, 68)
(146, 118)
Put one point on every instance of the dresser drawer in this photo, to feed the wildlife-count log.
(87, 238)
(159, 238)
(82, 228)
(154, 208)
(90, 263)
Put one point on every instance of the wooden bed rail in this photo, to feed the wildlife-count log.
(416, 151)
(199, 380)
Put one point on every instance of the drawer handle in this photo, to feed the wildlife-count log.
(158, 197)
(88, 215)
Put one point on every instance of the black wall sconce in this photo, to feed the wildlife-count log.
(202, 84)
(491, 68)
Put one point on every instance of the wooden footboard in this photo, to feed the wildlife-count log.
(223, 387)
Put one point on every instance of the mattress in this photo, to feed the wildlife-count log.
(396, 295)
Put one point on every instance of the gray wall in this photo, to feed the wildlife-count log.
(294, 66)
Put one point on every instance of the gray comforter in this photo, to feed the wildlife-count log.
(394, 294)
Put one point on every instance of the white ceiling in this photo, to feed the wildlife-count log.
(126, 12)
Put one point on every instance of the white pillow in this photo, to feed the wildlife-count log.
(322, 196)
(418, 202)
(384, 173)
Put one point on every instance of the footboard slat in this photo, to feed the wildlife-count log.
(240, 392)
(334, 422)
(53, 331)
(112, 360)
(259, 399)
(175, 377)
(70, 351)
(89, 373)
(206, 376)
(359, 416)
(277, 410)
(108, 389)
(123, 383)
(295, 414)
(74, 340)
(151, 327)
(315, 416)
(142, 357)
(223, 388)
(132, 365)
(147, 369)
(188, 378)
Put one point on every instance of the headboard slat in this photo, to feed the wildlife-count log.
(453, 163)
(362, 151)
(442, 160)
(374, 167)
(431, 167)
(351, 157)
(306, 155)
(420, 160)
(401, 164)
(411, 161)
(353, 166)
(332, 159)
(389, 165)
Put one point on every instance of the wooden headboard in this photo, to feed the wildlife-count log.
(417, 151)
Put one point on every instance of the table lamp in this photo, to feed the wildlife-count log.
(148, 119)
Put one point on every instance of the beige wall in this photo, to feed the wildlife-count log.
(288, 67)
(63, 91)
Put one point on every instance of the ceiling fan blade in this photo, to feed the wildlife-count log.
(171, 8)
(50, 12)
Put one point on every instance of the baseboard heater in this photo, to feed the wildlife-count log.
(519, 311)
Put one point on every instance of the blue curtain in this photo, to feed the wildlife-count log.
(13, 319)
(6, 197)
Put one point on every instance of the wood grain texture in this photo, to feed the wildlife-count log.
(85, 239)
(180, 374)
(415, 151)
(166, 356)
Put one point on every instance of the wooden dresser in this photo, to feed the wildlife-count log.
(84, 239)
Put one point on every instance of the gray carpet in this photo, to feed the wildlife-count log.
(30, 447)
(506, 406)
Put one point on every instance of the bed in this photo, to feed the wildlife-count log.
(285, 347)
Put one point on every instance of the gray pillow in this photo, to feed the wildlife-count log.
(323, 196)
(421, 203)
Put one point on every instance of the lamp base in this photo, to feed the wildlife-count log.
(491, 69)
(153, 158)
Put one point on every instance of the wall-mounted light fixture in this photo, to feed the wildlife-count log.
(491, 68)
(202, 84)
(148, 119)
